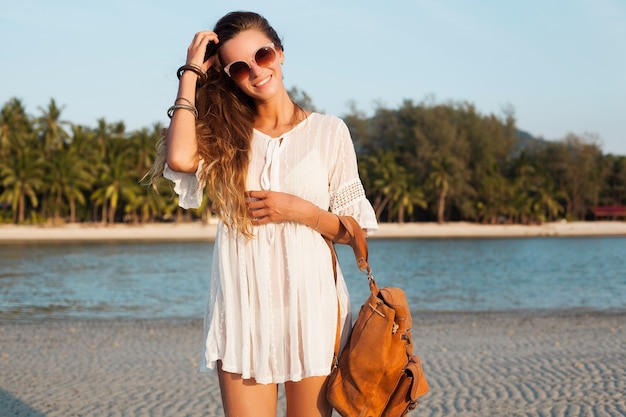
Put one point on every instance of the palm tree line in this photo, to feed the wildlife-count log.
(420, 162)
(53, 171)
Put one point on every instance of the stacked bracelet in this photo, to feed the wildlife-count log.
(185, 100)
(193, 68)
(171, 110)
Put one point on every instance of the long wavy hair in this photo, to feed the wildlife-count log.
(224, 127)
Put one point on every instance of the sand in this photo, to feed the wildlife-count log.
(199, 231)
(488, 364)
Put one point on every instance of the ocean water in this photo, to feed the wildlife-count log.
(130, 280)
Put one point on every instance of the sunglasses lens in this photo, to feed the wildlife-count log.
(239, 70)
(264, 57)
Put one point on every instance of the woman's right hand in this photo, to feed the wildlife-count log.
(197, 50)
(182, 146)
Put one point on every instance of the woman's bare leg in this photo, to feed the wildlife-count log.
(307, 398)
(245, 398)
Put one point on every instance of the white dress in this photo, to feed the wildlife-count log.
(272, 307)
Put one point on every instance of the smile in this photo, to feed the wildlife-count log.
(263, 82)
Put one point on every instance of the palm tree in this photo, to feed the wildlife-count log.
(143, 145)
(22, 177)
(109, 144)
(440, 177)
(21, 170)
(545, 205)
(491, 202)
(70, 176)
(49, 125)
(15, 126)
(118, 180)
(394, 188)
(407, 195)
(381, 171)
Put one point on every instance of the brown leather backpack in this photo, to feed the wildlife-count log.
(377, 373)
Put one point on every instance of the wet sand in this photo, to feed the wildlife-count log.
(486, 364)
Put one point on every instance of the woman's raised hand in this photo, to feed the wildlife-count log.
(197, 50)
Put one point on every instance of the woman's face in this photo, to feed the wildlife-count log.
(260, 80)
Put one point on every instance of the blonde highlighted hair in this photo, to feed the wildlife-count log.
(224, 128)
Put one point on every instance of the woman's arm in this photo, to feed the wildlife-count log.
(182, 146)
(275, 207)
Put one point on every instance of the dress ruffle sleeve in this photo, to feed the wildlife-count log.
(347, 193)
(187, 186)
(350, 200)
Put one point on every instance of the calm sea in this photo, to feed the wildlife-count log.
(170, 280)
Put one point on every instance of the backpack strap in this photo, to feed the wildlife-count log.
(361, 253)
(357, 242)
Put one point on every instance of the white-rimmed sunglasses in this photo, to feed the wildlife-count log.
(240, 70)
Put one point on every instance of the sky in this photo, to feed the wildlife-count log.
(560, 65)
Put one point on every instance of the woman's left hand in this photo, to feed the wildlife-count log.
(276, 207)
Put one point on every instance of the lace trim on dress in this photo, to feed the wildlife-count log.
(350, 200)
(346, 195)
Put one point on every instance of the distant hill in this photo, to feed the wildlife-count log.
(528, 141)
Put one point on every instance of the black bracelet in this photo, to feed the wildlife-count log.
(193, 68)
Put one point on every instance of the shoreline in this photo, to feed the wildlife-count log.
(477, 365)
(206, 232)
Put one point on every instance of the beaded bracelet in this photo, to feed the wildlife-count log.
(193, 68)
(171, 110)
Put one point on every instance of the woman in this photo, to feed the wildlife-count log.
(277, 176)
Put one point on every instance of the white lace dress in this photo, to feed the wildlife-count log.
(272, 308)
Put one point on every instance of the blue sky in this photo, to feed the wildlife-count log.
(560, 64)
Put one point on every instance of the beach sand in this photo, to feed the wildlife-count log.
(484, 364)
(199, 231)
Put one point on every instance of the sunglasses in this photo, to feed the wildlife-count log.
(240, 70)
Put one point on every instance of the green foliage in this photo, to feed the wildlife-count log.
(423, 161)
(50, 174)
(471, 167)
